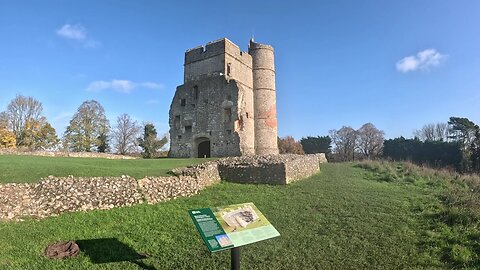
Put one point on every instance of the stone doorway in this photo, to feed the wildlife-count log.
(204, 149)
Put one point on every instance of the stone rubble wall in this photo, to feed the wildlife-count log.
(56, 195)
(159, 189)
(299, 168)
(268, 169)
(7, 151)
(185, 182)
(321, 158)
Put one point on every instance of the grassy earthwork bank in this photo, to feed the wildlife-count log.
(349, 216)
(22, 169)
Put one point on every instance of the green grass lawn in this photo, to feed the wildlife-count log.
(341, 218)
(21, 169)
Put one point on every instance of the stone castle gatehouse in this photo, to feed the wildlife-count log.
(226, 105)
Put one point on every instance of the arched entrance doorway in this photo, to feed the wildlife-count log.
(203, 149)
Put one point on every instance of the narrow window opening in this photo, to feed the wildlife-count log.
(229, 97)
(229, 68)
(176, 122)
(188, 129)
(229, 132)
(228, 115)
(195, 92)
(247, 114)
(179, 136)
(183, 102)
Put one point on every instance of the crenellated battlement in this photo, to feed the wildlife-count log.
(214, 48)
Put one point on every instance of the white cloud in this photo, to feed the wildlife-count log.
(77, 33)
(424, 60)
(152, 85)
(152, 101)
(123, 86)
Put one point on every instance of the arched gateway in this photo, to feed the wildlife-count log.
(203, 149)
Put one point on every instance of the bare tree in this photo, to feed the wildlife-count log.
(370, 140)
(345, 140)
(20, 111)
(125, 134)
(441, 131)
(432, 132)
(3, 120)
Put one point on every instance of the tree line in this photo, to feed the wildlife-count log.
(454, 144)
(23, 125)
(348, 144)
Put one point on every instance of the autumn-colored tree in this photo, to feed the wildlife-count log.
(19, 112)
(39, 135)
(7, 139)
(288, 145)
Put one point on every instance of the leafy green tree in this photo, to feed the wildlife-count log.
(88, 128)
(464, 131)
(318, 144)
(475, 152)
(432, 153)
(102, 143)
(150, 143)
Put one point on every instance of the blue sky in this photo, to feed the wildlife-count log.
(397, 64)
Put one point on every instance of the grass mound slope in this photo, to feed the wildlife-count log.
(452, 223)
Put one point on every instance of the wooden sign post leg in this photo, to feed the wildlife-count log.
(235, 258)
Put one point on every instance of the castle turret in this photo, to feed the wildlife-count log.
(264, 98)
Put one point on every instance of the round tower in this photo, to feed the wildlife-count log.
(264, 98)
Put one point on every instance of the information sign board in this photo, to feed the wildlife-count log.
(232, 226)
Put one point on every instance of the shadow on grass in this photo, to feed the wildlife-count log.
(109, 250)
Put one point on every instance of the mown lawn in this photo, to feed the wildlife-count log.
(21, 169)
(340, 218)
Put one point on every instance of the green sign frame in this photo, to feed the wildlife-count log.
(232, 226)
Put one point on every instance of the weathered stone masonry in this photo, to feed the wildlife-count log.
(56, 195)
(226, 105)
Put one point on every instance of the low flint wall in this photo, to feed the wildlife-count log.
(56, 195)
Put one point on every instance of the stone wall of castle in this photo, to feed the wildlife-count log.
(264, 98)
(218, 104)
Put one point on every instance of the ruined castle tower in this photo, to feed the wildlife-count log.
(264, 98)
(226, 105)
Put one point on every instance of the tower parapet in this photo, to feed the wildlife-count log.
(264, 95)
